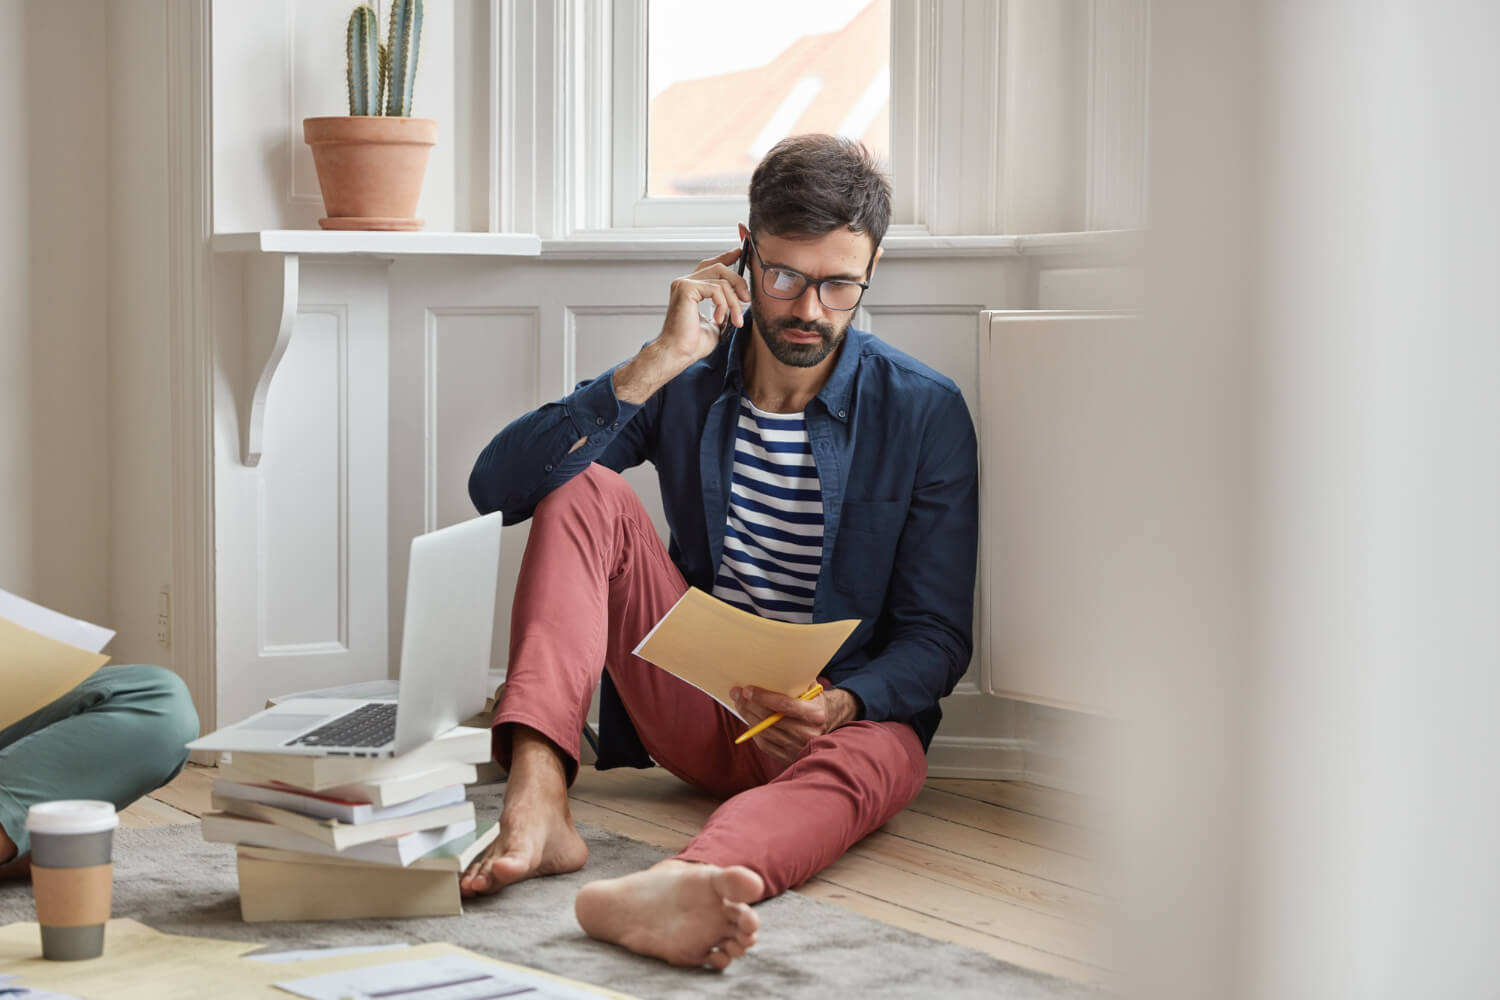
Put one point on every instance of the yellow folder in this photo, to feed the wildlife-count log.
(36, 671)
(715, 646)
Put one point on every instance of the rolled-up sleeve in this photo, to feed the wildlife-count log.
(535, 453)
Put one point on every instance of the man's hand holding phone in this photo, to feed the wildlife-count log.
(704, 305)
(688, 335)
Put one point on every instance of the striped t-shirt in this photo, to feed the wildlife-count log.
(773, 536)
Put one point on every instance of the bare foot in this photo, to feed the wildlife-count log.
(537, 836)
(12, 867)
(685, 913)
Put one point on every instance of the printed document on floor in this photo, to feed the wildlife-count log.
(449, 977)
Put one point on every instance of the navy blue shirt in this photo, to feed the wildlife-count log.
(897, 458)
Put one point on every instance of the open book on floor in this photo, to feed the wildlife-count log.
(288, 885)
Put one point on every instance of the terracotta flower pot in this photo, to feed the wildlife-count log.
(370, 169)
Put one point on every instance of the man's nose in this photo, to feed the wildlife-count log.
(808, 306)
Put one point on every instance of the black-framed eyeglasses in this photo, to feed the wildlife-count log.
(838, 294)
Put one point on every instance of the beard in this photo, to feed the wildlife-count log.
(794, 354)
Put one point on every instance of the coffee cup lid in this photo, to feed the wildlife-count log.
(71, 816)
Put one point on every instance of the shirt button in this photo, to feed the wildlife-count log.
(843, 414)
(599, 421)
(615, 426)
(547, 469)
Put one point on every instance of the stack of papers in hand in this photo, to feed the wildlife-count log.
(335, 838)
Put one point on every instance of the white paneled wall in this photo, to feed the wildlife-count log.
(302, 568)
(314, 541)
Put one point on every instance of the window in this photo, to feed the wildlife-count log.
(693, 115)
(621, 120)
(715, 109)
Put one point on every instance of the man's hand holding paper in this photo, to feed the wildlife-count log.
(721, 650)
(802, 721)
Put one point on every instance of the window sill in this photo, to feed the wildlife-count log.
(382, 244)
(677, 244)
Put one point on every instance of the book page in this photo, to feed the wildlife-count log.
(36, 670)
(715, 646)
(54, 624)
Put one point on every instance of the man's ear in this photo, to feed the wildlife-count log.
(744, 233)
(873, 261)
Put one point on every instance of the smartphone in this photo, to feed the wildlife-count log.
(739, 269)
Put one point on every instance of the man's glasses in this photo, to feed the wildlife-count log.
(838, 294)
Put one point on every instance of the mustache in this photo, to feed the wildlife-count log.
(824, 330)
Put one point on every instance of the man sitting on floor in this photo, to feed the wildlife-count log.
(116, 736)
(809, 473)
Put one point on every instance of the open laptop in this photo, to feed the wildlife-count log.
(445, 659)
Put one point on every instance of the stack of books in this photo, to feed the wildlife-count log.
(335, 838)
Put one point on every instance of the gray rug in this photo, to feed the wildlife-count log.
(168, 878)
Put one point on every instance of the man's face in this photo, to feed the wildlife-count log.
(802, 332)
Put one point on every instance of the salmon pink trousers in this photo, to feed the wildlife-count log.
(594, 580)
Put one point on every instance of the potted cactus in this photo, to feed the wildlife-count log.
(371, 162)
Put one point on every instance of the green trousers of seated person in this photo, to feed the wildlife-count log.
(115, 737)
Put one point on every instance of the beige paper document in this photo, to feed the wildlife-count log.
(138, 963)
(36, 670)
(715, 646)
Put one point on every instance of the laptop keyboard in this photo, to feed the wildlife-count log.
(371, 725)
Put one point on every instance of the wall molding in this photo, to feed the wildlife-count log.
(339, 312)
(430, 389)
(293, 140)
(189, 224)
(985, 758)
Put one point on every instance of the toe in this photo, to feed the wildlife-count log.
(741, 918)
(738, 884)
(718, 960)
(732, 948)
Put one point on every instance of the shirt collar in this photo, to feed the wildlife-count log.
(836, 392)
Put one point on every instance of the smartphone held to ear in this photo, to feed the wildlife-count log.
(706, 314)
(706, 306)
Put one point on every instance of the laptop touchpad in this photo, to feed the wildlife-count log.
(281, 722)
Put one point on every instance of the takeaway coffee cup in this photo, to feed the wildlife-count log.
(72, 876)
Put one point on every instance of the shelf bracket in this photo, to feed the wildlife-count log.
(270, 299)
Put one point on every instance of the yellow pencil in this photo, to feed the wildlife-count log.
(776, 717)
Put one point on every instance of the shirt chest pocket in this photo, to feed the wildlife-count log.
(869, 531)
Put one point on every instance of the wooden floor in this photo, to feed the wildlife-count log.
(998, 866)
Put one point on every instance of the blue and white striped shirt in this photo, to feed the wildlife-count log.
(773, 536)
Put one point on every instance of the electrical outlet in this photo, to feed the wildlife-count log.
(164, 618)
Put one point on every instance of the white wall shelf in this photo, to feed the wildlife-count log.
(271, 269)
(380, 244)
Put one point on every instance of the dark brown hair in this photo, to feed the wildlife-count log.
(809, 185)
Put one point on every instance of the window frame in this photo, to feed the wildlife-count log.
(971, 152)
(632, 208)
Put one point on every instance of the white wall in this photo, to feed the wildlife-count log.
(85, 503)
(1315, 779)
(1378, 668)
(139, 434)
(54, 347)
(16, 562)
